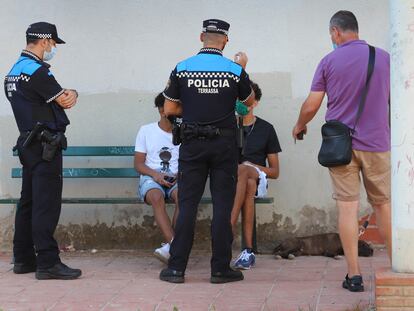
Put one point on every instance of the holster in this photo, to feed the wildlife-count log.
(176, 133)
(52, 143)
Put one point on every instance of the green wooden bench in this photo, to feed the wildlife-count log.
(100, 172)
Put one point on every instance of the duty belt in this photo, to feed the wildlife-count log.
(44, 135)
(190, 131)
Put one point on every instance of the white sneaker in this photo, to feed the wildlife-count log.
(245, 260)
(163, 253)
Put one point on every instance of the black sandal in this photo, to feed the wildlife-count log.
(354, 284)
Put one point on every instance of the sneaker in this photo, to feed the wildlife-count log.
(354, 284)
(163, 253)
(59, 271)
(226, 277)
(172, 276)
(245, 260)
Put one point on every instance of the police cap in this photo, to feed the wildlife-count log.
(216, 26)
(43, 30)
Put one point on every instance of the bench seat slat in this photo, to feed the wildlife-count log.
(267, 200)
(97, 151)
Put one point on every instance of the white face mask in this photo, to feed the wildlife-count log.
(49, 55)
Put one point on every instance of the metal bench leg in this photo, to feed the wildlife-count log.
(254, 239)
(243, 242)
(254, 232)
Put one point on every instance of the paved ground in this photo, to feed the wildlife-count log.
(129, 281)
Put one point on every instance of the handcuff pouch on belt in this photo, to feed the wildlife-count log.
(51, 142)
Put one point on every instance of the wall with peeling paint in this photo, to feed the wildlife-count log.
(119, 54)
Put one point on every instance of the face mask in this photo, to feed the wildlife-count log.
(334, 45)
(49, 55)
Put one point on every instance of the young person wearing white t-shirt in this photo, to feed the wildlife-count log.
(156, 159)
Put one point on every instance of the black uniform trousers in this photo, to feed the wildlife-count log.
(38, 211)
(198, 159)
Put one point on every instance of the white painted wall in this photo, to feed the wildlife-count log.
(119, 53)
(402, 92)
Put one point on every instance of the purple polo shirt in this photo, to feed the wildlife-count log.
(342, 75)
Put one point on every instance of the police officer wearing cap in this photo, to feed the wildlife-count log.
(203, 90)
(39, 103)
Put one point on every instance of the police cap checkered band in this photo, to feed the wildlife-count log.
(216, 26)
(43, 30)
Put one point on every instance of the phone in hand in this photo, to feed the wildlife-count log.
(170, 179)
(300, 135)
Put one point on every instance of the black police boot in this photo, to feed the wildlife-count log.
(24, 267)
(59, 271)
(172, 276)
(226, 277)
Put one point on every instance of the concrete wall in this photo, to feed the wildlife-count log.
(120, 53)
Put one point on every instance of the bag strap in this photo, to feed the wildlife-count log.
(371, 63)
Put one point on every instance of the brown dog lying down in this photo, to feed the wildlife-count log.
(327, 244)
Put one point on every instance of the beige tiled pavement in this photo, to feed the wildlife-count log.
(128, 280)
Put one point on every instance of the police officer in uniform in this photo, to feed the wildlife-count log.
(38, 103)
(203, 90)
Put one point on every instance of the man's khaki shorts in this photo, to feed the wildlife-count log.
(376, 175)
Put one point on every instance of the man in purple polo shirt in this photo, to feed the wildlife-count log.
(341, 75)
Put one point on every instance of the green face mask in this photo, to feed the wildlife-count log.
(241, 108)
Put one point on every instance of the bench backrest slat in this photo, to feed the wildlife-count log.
(90, 173)
(106, 151)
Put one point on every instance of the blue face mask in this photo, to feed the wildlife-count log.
(334, 45)
(49, 55)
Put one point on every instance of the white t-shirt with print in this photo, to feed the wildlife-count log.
(153, 141)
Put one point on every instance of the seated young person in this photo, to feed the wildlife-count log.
(261, 145)
(156, 159)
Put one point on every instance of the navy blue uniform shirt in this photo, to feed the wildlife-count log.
(208, 85)
(31, 89)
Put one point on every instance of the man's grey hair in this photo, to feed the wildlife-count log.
(345, 21)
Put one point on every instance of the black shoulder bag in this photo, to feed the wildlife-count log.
(336, 146)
